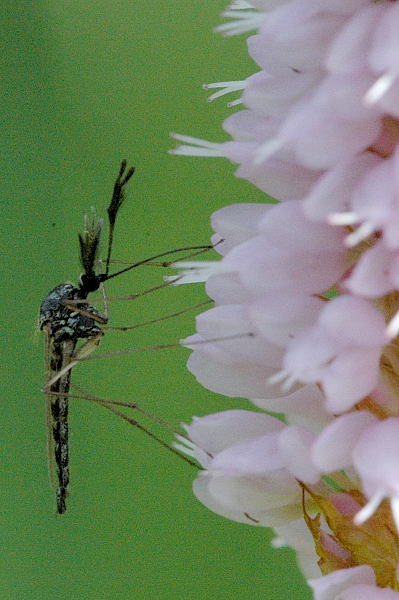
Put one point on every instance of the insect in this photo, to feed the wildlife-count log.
(65, 317)
(64, 323)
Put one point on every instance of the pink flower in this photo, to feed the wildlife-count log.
(306, 292)
(339, 352)
(296, 535)
(250, 465)
(378, 446)
(357, 583)
(333, 449)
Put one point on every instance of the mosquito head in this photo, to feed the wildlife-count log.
(88, 283)
(89, 240)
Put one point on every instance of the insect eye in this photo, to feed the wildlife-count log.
(89, 283)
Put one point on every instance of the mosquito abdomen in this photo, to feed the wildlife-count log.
(59, 410)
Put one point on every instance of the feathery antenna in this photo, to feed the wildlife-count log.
(118, 198)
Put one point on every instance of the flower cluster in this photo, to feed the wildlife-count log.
(306, 294)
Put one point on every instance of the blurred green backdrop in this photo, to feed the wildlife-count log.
(84, 85)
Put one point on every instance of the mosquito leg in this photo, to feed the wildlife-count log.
(84, 395)
(189, 345)
(171, 316)
(168, 253)
(111, 406)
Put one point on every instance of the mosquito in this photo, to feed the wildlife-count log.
(66, 316)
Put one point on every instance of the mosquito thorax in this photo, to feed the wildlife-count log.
(62, 322)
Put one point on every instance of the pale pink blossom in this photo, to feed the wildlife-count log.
(334, 446)
(375, 274)
(306, 292)
(304, 407)
(340, 352)
(296, 535)
(380, 182)
(293, 258)
(295, 444)
(333, 191)
(375, 459)
(357, 583)
(251, 462)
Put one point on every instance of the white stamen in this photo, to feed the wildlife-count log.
(242, 22)
(380, 87)
(393, 327)
(235, 102)
(395, 510)
(229, 14)
(227, 88)
(343, 218)
(277, 377)
(238, 85)
(173, 279)
(369, 509)
(360, 234)
(183, 449)
(267, 150)
(239, 5)
(193, 140)
(289, 383)
(184, 440)
(278, 542)
(196, 271)
(199, 147)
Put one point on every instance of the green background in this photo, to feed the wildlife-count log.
(84, 85)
